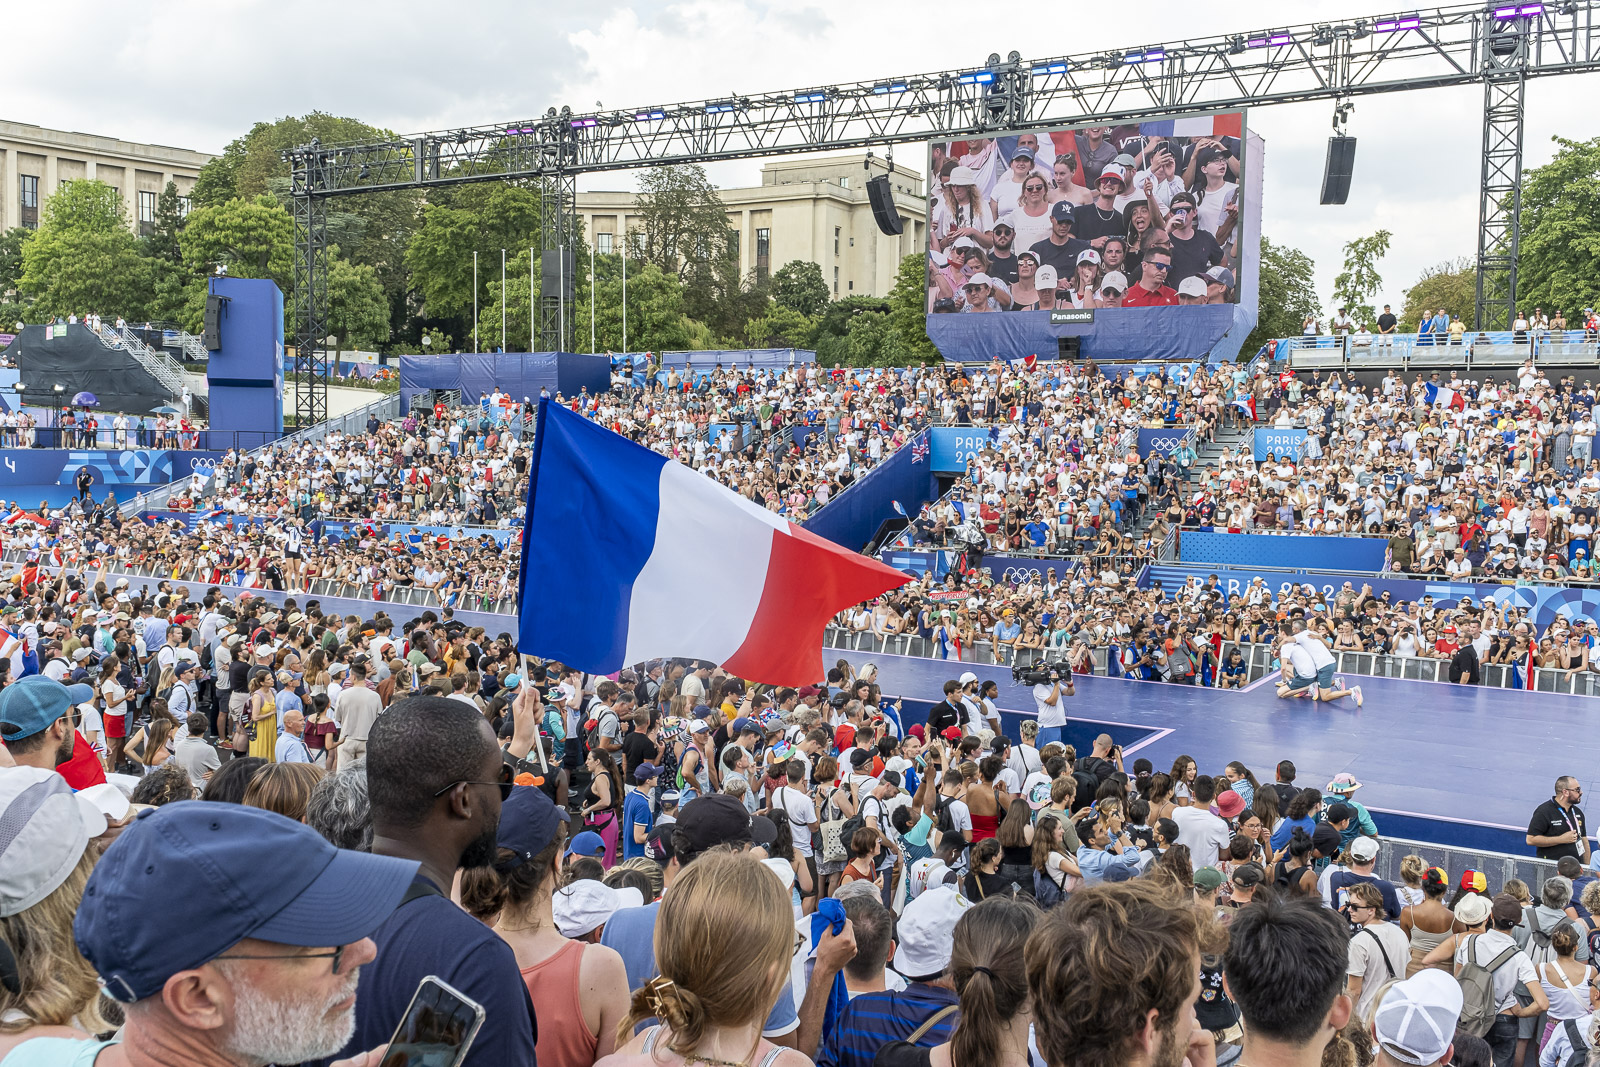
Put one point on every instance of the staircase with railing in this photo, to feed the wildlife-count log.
(194, 349)
(162, 367)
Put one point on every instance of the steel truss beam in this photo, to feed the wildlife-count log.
(310, 305)
(1433, 48)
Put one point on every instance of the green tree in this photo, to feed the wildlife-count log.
(780, 327)
(831, 337)
(1353, 287)
(1288, 293)
(1559, 260)
(799, 286)
(163, 243)
(482, 219)
(83, 257)
(908, 311)
(685, 224)
(358, 310)
(251, 238)
(1452, 285)
(11, 242)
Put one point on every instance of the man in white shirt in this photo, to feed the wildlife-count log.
(1051, 711)
(1205, 835)
(1326, 686)
(1488, 934)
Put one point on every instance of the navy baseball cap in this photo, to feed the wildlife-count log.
(1062, 212)
(248, 871)
(587, 843)
(32, 705)
(529, 821)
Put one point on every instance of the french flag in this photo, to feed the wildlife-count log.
(1443, 396)
(628, 556)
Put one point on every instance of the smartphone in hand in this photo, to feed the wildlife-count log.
(437, 1029)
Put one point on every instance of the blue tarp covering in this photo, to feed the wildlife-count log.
(1168, 333)
(1280, 550)
(520, 374)
(851, 518)
(738, 357)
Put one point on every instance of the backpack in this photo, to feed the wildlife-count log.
(591, 737)
(1478, 1006)
(1541, 937)
(1580, 1048)
(1045, 890)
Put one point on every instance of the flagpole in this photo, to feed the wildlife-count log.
(624, 289)
(502, 300)
(533, 308)
(591, 298)
(474, 302)
(538, 742)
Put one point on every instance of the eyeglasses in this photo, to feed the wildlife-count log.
(336, 955)
(504, 787)
(1152, 264)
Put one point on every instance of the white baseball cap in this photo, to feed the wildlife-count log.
(1192, 286)
(1044, 277)
(44, 829)
(927, 929)
(1115, 280)
(582, 906)
(979, 278)
(1416, 1019)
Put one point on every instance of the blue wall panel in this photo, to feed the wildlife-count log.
(1278, 550)
(851, 518)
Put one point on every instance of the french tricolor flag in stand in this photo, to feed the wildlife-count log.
(629, 556)
(1443, 396)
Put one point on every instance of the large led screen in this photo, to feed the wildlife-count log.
(1074, 222)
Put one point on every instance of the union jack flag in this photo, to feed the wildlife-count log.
(919, 449)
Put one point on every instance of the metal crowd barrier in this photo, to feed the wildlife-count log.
(1477, 348)
(1497, 867)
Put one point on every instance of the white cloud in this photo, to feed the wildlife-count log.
(186, 73)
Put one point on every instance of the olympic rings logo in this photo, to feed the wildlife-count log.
(1165, 444)
(1011, 574)
(198, 464)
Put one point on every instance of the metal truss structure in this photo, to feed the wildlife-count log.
(1497, 46)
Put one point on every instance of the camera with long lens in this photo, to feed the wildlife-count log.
(1040, 672)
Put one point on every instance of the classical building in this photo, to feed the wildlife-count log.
(35, 161)
(809, 209)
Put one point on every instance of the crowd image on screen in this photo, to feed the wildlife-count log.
(1099, 217)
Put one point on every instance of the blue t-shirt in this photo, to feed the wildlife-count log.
(632, 932)
(430, 935)
(1285, 830)
(635, 810)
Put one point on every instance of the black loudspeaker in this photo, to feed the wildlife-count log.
(211, 335)
(557, 275)
(884, 212)
(1067, 348)
(1341, 165)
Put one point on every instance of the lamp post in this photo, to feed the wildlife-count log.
(22, 399)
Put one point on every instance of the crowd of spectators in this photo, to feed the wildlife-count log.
(1466, 477)
(880, 890)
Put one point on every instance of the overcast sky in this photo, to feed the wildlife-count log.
(196, 75)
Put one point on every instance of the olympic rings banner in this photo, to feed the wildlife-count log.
(144, 467)
(1164, 441)
(1008, 569)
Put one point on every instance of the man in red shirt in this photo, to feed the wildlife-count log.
(38, 721)
(1151, 290)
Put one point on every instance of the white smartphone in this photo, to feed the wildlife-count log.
(437, 1028)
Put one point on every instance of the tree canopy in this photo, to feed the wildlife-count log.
(1353, 287)
(1287, 294)
(1559, 262)
(1451, 285)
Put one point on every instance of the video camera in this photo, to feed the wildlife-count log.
(1040, 672)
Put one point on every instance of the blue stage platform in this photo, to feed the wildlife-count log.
(1453, 765)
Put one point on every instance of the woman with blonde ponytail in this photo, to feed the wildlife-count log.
(710, 1003)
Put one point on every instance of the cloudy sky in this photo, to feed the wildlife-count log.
(197, 75)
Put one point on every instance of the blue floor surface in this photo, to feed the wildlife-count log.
(1454, 765)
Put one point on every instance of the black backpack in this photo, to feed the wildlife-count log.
(1580, 1048)
(1045, 890)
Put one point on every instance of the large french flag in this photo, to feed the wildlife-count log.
(1443, 396)
(630, 556)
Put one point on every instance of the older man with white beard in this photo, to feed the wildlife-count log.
(261, 962)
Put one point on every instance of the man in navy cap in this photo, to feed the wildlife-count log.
(1059, 251)
(254, 982)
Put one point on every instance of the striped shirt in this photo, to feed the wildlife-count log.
(874, 1019)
